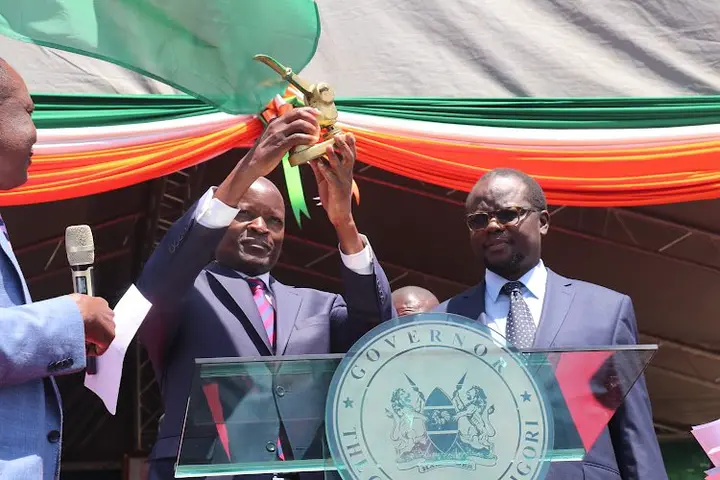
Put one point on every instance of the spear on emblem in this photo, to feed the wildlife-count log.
(460, 404)
(415, 388)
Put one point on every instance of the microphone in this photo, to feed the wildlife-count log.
(80, 249)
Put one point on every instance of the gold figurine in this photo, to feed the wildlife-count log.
(318, 95)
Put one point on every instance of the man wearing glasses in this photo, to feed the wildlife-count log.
(532, 306)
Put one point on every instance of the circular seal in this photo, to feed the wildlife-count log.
(436, 396)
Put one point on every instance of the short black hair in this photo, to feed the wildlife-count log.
(535, 193)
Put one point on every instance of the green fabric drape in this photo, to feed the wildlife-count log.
(204, 48)
(561, 113)
(58, 111)
(68, 110)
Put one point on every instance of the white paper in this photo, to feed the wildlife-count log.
(707, 435)
(129, 314)
(714, 455)
(712, 474)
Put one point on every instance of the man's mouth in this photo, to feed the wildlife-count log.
(496, 244)
(491, 242)
(256, 246)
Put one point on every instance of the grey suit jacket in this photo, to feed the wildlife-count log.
(203, 310)
(579, 314)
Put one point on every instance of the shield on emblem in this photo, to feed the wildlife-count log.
(441, 425)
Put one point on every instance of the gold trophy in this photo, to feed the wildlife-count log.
(318, 95)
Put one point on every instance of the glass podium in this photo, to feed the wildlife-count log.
(424, 396)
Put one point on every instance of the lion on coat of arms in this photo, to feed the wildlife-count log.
(441, 430)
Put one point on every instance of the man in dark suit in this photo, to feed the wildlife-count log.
(233, 307)
(532, 306)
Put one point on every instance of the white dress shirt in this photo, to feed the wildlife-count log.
(497, 305)
(213, 213)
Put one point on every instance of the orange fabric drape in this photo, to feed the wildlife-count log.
(611, 177)
(59, 177)
(614, 176)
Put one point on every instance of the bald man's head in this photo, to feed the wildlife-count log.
(17, 130)
(253, 242)
(411, 300)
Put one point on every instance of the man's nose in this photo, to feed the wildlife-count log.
(259, 225)
(494, 225)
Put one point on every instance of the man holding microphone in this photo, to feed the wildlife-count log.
(37, 340)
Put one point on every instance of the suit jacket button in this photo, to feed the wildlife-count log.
(52, 366)
(280, 391)
(270, 447)
(69, 362)
(53, 436)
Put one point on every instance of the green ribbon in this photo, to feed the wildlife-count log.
(295, 190)
(293, 180)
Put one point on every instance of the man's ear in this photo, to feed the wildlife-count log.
(544, 222)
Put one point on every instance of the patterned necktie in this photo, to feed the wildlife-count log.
(265, 308)
(267, 315)
(520, 330)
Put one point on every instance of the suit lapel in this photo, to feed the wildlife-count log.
(239, 292)
(470, 303)
(287, 306)
(558, 297)
(7, 250)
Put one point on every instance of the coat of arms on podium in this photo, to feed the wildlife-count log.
(436, 399)
(442, 430)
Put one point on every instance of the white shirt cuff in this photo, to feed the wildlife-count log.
(213, 213)
(360, 262)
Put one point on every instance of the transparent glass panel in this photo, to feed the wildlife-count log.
(269, 414)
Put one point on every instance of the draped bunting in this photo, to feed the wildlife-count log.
(80, 171)
(67, 110)
(519, 112)
(627, 159)
(609, 175)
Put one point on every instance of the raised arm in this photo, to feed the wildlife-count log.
(191, 242)
(367, 298)
(365, 303)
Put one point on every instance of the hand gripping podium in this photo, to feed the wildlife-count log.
(427, 396)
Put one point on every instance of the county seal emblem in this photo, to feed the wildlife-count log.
(436, 396)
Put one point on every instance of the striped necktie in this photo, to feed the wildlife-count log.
(267, 315)
(265, 308)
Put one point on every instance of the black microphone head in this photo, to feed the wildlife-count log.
(79, 245)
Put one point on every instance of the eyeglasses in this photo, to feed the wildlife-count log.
(509, 216)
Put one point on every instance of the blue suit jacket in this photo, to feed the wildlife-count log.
(203, 310)
(580, 314)
(37, 340)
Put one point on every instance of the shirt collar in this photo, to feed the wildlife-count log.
(265, 277)
(534, 280)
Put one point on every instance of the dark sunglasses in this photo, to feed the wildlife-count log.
(509, 216)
